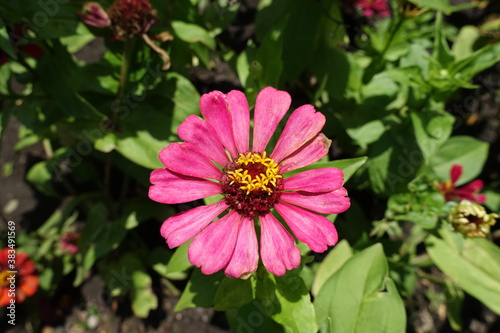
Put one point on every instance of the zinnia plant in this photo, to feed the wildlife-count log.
(469, 191)
(215, 158)
(25, 279)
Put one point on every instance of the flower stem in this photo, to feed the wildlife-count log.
(122, 85)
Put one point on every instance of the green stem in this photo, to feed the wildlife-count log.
(122, 86)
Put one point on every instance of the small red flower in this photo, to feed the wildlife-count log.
(16, 282)
(469, 191)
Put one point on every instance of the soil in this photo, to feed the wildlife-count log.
(80, 310)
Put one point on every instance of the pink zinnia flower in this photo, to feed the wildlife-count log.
(216, 159)
(469, 191)
(370, 8)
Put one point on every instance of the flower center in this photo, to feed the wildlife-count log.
(3, 278)
(252, 184)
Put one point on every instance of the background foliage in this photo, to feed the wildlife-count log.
(393, 89)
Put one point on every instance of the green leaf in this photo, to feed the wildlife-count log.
(143, 298)
(348, 166)
(333, 261)
(443, 5)
(295, 308)
(5, 42)
(193, 33)
(268, 67)
(360, 297)
(233, 293)
(40, 175)
(475, 269)
(200, 290)
(252, 317)
(172, 266)
(76, 42)
(431, 130)
(300, 32)
(463, 46)
(466, 151)
(492, 200)
(478, 61)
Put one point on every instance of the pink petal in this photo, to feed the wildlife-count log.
(309, 153)
(214, 107)
(316, 180)
(480, 198)
(173, 188)
(472, 187)
(245, 257)
(277, 247)
(325, 203)
(181, 227)
(455, 173)
(313, 229)
(303, 125)
(240, 114)
(185, 159)
(197, 132)
(213, 247)
(270, 107)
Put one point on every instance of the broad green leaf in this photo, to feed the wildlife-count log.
(360, 297)
(63, 91)
(296, 59)
(466, 151)
(294, 302)
(492, 200)
(233, 293)
(475, 269)
(200, 290)
(348, 166)
(333, 261)
(192, 33)
(51, 19)
(431, 130)
(252, 317)
(268, 68)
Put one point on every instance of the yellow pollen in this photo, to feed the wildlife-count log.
(264, 181)
(3, 278)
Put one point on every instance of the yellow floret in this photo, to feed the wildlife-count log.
(257, 182)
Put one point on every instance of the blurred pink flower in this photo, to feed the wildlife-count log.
(371, 8)
(252, 183)
(469, 191)
(69, 242)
